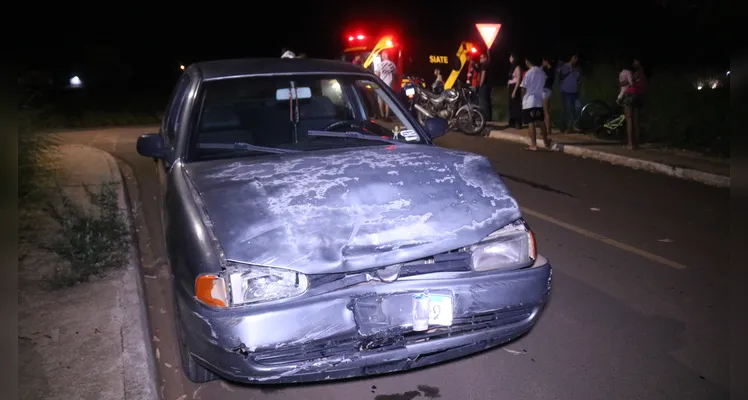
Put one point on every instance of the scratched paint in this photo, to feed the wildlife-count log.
(351, 209)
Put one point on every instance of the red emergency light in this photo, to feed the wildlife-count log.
(356, 37)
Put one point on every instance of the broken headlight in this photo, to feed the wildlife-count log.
(511, 247)
(254, 284)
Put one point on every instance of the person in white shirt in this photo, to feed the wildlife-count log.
(532, 103)
(386, 72)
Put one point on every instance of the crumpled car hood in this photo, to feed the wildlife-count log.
(351, 209)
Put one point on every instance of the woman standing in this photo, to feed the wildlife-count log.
(633, 101)
(515, 96)
(550, 76)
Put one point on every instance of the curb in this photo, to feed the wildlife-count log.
(633, 163)
(139, 382)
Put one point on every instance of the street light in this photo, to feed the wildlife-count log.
(181, 67)
(76, 82)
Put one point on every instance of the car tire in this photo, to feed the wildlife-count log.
(192, 369)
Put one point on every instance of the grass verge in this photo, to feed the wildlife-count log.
(90, 240)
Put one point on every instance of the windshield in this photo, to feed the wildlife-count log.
(252, 116)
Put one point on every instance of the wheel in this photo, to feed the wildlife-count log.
(192, 369)
(471, 126)
(593, 116)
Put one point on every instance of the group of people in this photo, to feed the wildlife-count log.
(530, 87)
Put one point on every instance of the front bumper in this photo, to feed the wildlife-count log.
(341, 334)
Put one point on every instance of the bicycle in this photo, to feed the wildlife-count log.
(600, 119)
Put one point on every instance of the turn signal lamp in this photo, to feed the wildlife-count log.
(211, 290)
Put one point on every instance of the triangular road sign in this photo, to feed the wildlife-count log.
(488, 32)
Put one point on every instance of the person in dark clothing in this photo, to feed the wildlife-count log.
(569, 78)
(515, 97)
(550, 76)
(484, 88)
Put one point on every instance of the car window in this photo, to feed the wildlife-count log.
(380, 112)
(253, 111)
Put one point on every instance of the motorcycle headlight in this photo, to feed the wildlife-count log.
(242, 284)
(511, 247)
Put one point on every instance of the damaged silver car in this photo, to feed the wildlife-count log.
(315, 232)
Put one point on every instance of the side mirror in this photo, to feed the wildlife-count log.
(436, 127)
(151, 145)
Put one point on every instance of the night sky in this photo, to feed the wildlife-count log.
(149, 41)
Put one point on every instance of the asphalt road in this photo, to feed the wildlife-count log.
(639, 300)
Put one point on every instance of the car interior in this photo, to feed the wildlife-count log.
(250, 112)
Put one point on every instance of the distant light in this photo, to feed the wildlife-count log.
(699, 86)
(728, 73)
(360, 37)
(714, 85)
(75, 82)
(350, 38)
(181, 67)
(388, 43)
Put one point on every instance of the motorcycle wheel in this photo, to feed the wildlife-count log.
(468, 127)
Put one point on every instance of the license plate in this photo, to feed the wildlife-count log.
(410, 92)
(440, 310)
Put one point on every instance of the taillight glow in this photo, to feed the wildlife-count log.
(350, 38)
(473, 50)
(360, 37)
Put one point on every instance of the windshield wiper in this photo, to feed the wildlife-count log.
(245, 147)
(354, 135)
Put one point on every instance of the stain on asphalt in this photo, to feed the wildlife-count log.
(536, 185)
(426, 391)
(429, 391)
(399, 396)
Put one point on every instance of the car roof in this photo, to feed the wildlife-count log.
(218, 69)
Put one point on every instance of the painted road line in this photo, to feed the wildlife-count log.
(606, 240)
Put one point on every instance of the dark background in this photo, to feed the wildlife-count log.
(143, 44)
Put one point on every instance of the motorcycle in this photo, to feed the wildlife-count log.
(409, 90)
(453, 105)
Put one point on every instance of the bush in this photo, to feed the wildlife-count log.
(90, 241)
(36, 177)
(674, 113)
